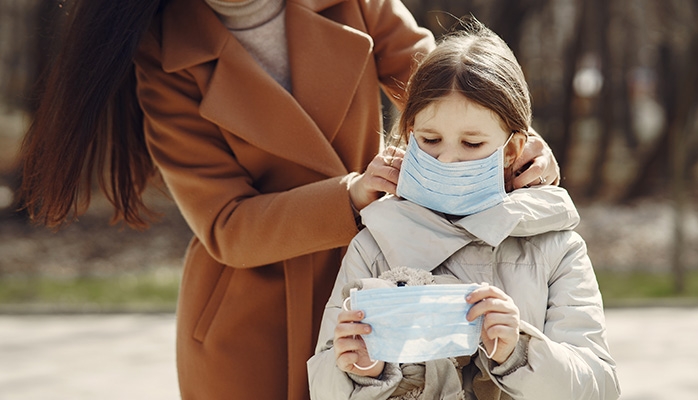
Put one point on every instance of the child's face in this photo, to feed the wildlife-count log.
(455, 128)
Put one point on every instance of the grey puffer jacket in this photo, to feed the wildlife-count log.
(526, 247)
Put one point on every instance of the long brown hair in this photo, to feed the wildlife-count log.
(476, 63)
(88, 120)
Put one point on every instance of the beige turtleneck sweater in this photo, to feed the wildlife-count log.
(260, 26)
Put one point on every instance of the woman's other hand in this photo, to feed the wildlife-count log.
(380, 177)
(536, 165)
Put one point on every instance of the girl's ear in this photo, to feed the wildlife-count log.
(514, 148)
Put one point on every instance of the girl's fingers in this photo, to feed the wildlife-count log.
(485, 291)
(351, 329)
(350, 349)
(347, 338)
(489, 299)
(500, 328)
(349, 325)
(348, 344)
(350, 316)
(506, 315)
(486, 306)
(347, 352)
(502, 325)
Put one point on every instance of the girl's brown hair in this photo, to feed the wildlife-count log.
(477, 63)
(88, 119)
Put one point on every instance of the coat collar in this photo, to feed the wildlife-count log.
(393, 222)
(193, 35)
(245, 100)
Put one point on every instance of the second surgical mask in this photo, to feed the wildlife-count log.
(418, 323)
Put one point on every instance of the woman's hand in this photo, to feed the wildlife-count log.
(536, 165)
(350, 349)
(380, 178)
(501, 320)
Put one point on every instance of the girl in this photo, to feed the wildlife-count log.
(543, 335)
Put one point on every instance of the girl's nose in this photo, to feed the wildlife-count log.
(448, 156)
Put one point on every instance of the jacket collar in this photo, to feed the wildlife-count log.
(410, 235)
(192, 35)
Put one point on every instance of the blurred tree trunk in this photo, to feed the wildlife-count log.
(678, 133)
(606, 100)
(570, 58)
(629, 52)
(677, 95)
(652, 163)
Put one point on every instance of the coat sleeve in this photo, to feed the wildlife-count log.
(398, 43)
(569, 358)
(238, 225)
(326, 380)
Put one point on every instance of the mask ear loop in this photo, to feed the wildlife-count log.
(344, 306)
(496, 340)
(494, 350)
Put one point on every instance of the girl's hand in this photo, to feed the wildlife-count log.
(501, 320)
(380, 178)
(536, 165)
(349, 347)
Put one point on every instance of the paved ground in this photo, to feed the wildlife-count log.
(117, 357)
(656, 351)
(87, 357)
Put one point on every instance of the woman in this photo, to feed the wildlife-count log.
(263, 162)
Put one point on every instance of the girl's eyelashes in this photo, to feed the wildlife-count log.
(472, 145)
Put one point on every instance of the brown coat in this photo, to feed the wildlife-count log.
(260, 176)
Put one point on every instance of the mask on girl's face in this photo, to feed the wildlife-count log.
(457, 188)
(418, 323)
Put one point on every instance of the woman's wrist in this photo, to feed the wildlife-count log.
(349, 180)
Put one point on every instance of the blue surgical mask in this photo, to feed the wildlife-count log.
(418, 323)
(457, 188)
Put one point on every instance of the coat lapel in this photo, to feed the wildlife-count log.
(243, 99)
(191, 35)
(327, 62)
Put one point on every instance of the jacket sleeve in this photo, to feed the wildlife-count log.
(570, 358)
(326, 380)
(238, 225)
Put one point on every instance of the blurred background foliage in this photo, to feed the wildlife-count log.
(615, 94)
